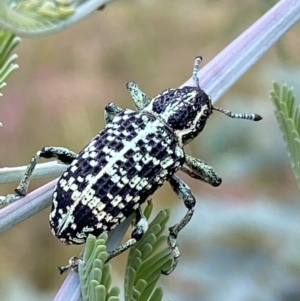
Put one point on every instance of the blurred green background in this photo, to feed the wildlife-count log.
(243, 243)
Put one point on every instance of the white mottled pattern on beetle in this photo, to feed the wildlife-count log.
(116, 172)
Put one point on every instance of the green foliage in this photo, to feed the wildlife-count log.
(288, 118)
(8, 42)
(145, 261)
(94, 274)
(34, 14)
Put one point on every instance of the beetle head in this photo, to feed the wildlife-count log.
(184, 110)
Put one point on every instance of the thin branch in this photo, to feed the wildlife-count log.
(32, 203)
(42, 170)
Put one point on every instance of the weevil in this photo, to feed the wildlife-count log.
(126, 162)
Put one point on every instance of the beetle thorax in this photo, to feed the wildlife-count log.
(184, 110)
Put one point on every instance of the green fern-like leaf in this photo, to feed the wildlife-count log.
(8, 42)
(145, 261)
(288, 117)
(34, 14)
(94, 274)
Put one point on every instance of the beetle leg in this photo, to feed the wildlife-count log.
(60, 153)
(140, 99)
(73, 265)
(184, 193)
(200, 170)
(110, 111)
(140, 227)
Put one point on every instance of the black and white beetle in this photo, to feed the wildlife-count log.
(126, 162)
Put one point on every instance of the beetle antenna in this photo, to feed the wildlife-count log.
(254, 117)
(198, 60)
